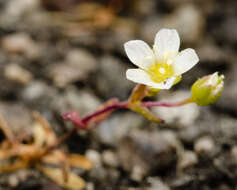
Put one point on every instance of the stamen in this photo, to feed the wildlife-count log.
(160, 71)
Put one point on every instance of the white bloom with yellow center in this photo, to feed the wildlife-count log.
(161, 67)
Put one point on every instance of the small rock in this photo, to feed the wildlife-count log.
(227, 100)
(21, 43)
(213, 55)
(146, 8)
(205, 146)
(226, 30)
(116, 127)
(90, 186)
(152, 25)
(180, 116)
(94, 156)
(157, 184)
(13, 181)
(38, 94)
(17, 8)
(138, 173)
(233, 154)
(16, 73)
(84, 102)
(76, 67)
(189, 134)
(18, 118)
(98, 171)
(143, 151)
(110, 80)
(189, 22)
(110, 159)
(187, 160)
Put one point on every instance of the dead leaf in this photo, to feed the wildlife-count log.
(74, 182)
(76, 160)
(49, 133)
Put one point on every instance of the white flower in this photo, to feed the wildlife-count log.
(161, 67)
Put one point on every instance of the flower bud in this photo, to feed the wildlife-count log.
(207, 89)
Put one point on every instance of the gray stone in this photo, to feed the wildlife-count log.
(116, 127)
(187, 159)
(110, 159)
(188, 21)
(205, 146)
(110, 80)
(142, 152)
(16, 73)
(21, 43)
(83, 101)
(181, 116)
(76, 67)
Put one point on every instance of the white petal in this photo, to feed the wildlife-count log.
(139, 53)
(141, 77)
(184, 61)
(166, 41)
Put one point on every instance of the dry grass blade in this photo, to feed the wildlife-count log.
(49, 133)
(74, 182)
(6, 130)
(18, 164)
(76, 160)
(43, 149)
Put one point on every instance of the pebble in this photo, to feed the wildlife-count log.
(187, 160)
(157, 184)
(138, 173)
(110, 159)
(233, 154)
(227, 100)
(188, 21)
(94, 157)
(76, 67)
(113, 129)
(18, 118)
(16, 73)
(90, 186)
(213, 55)
(15, 10)
(13, 181)
(21, 43)
(39, 94)
(84, 102)
(110, 80)
(144, 151)
(98, 172)
(205, 146)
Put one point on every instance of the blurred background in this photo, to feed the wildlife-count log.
(60, 55)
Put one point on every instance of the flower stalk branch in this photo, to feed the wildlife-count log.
(159, 68)
(81, 123)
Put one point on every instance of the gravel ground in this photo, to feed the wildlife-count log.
(58, 55)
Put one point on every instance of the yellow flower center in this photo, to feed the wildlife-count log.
(160, 71)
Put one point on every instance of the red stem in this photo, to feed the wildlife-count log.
(125, 104)
(164, 104)
(106, 109)
(81, 123)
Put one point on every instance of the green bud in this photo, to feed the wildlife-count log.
(207, 89)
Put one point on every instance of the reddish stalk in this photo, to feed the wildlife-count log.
(164, 104)
(81, 123)
(118, 105)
